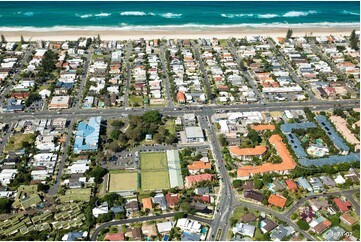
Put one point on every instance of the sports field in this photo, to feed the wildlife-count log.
(125, 181)
(154, 171)
(153, 161)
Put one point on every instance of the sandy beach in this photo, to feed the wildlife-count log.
(185, 33)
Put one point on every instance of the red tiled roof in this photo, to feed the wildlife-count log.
(261, 127)
(291, 184)
(343, 206)
(147, 203)
(199, 165)
(204, 198)
(181, 97)
(277, 200)
(258, 150)
(287, 160)
(198, 178)
(114, 237)
(172, 199)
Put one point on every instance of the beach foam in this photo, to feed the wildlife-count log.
(171, 15)
(84, 15)
(268, 15)
(29, 14)
(236, 15)
(133, 13)
(298, 13)
(349, 12)
(103, 14)
(124, 26)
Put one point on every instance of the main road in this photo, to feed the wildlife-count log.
(199, 110)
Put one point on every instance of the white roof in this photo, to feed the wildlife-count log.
(165, 227)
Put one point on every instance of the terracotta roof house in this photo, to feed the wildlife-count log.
(192, 180)
(181, 98)
(244, 172)
(322, 226)
(147, 203)
(114, 237)
(172, 199)
(261, 127)
(291, 185)
(343, 206)
(348, 219)
(278, 201)
(199, 166)
(247, 153)
(204, 198)
(253, 195)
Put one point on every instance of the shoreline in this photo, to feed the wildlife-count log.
(169, 33)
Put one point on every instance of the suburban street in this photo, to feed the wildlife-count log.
(208, 86)
(317, 50)
(79, 96)
(128, 77)
(94, 236)
(245, 72)
(61, 162)
(17, 73)
(167, 82)
(294, 76)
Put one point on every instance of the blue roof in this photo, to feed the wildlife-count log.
(72, 236)
(117, 209)
(330, 160)
(331, 133)
(304, 183)
(87, 135)
(190, 237)
(295, 143)
(13, 106)
(287, 128)
(64, 85)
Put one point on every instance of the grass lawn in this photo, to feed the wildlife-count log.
(78, 194)
(170, 125)
(153, 162)
(223, 43)
(154, 171)
(42, 87)
(122, 181)
(238, 213)
(155, 180)
(15, 141)
(135, 99)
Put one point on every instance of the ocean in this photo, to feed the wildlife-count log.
(147, 15)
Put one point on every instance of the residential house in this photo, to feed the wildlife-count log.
(254, 195)
(267, 225)
(348, 219)
(244, 229)
(342, 204)
(247, 153)
(277, 200)
(194, 179)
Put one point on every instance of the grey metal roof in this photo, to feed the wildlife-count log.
(330, 160)
(287, 128)
(331, 133)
